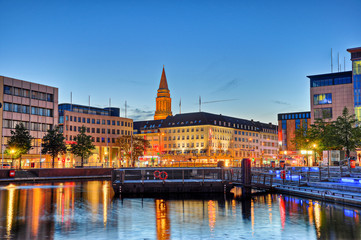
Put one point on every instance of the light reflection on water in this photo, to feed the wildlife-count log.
(88, 210)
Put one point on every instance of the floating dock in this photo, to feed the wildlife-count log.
(171, 180)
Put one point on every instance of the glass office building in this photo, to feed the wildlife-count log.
(356, 76)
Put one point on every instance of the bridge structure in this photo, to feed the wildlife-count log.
(338, 184)
(189, 180)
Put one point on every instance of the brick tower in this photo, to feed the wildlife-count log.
(163, 100)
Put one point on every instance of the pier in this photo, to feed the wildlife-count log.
(339, 185)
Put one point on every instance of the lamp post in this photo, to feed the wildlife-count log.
(12, 151)
(314, 147)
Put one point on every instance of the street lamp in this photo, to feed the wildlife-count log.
(314, 147)
(12, 151)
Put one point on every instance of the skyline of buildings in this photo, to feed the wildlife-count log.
(329, 94)
(204, 137)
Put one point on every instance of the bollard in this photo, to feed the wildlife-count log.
(341, 170)
(299, 179)
(246, 177)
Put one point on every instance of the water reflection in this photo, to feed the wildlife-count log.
(78, 209)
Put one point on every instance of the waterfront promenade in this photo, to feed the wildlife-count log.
(336, 184)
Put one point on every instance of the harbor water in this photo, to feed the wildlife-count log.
(89, 210)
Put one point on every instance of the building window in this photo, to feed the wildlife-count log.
(323, 113)
(298, 123)
(319, 99)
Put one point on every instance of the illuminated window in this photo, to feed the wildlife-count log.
(319, 99)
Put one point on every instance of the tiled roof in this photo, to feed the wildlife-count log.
(203, 118)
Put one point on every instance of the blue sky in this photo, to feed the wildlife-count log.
(256, 52)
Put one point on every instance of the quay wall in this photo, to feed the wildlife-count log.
(57, 172)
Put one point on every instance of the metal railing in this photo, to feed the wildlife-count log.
(200, 174)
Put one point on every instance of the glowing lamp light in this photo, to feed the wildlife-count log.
(303, 152)
(309, 152)
(347, 180)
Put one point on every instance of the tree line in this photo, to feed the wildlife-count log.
(53, 144)
(342, 134)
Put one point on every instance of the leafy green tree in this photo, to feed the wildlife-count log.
(19, 142)
(132, 147)
(53, 143)
(83, 145)
(322, 134)
(302, 138)
(347, 131)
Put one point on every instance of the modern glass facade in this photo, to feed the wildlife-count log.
(115, 112)
(329, 81)
(356, 72)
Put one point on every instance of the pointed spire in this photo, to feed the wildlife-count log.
(163, 81)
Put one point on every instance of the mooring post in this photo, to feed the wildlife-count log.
(123, 176)
(264, 179)
(183, 176)
(222, 174)
(308, 176)
(291, 176)
(246, 177)
(203, 176)
(340, 170)
(299, 179)
(328, 170)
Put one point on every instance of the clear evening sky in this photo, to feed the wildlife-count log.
(255, 52)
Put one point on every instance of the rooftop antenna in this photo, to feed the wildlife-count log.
(71, 101)
(344, 64)
(200, 103)
(180, 106)
(331, 62)
(338, 62)
(125, 109)
(89, 102)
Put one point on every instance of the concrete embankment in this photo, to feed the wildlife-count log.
(55, 174)
(324, 194)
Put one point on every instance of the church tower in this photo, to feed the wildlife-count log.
(163, 100)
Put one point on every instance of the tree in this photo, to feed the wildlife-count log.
(322, 134)
(83, 145)
(302, 138)
(19, 142)
(348, 131)
(132, 146)
(53, 143)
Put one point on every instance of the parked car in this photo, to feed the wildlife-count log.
(5, 165)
